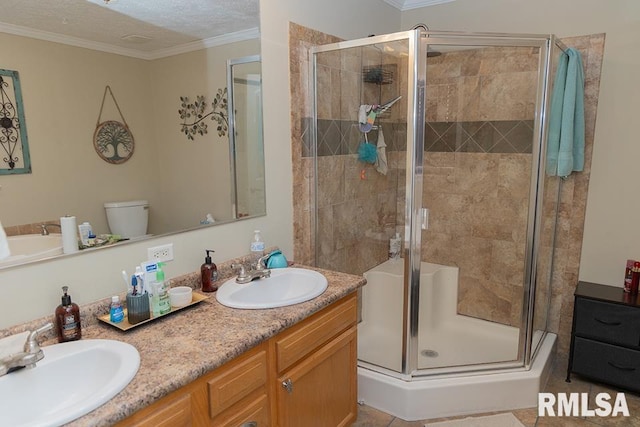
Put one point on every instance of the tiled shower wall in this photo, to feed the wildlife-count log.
(492, 174)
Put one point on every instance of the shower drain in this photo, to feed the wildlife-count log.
(429, 353)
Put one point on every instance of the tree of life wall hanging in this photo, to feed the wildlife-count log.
(14, 145)
(112, 140)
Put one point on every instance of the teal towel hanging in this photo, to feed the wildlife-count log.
(565, 145)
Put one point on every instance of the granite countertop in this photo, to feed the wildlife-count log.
(177, 349)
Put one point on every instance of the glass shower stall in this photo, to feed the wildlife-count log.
(438, 138)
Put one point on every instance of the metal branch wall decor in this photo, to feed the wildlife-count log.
(193, 114)
(112, 140)
(14, 146)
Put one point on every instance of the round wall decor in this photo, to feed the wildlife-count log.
(112, 140)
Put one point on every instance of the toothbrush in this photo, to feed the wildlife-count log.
(140, 279)
(134, 284)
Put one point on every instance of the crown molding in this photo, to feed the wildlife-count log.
(404, 5)
(18, 30)
(238, 36)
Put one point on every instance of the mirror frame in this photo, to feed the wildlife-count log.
(232, 127)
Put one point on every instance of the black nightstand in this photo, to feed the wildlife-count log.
(605, 336)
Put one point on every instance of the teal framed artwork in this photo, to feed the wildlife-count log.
(14, 145)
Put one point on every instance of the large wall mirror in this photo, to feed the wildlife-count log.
(152, 57)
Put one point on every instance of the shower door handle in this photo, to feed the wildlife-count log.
(424, 218)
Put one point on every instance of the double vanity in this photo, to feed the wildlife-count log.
(215, 365)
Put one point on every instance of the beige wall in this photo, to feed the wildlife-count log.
(611, 233)
(62, 89)
(199, 177)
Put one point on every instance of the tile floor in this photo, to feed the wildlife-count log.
(370, 417)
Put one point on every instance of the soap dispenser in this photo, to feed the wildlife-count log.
(68, 319)
(209, 273)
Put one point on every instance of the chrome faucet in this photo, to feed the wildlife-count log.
(245, 276)
(261, 264)
(45, 230)
(31, 353)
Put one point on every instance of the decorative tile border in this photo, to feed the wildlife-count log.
(337, 137)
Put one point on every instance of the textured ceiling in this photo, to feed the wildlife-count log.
(160, 24)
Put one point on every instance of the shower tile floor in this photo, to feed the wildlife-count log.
(370, 417)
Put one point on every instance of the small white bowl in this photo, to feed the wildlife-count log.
(180, 296)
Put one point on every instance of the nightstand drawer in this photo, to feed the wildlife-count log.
(612, 323)
(614, 365)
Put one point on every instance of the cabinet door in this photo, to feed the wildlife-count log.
(321, 390)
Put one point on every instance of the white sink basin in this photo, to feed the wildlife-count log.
(286, 286)
(28, 247)
(72, 380)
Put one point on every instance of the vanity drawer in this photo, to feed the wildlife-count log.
(608, 322)
(256, 411)
(167, 413)
(319, 329)
(237, 381)
(608, 363)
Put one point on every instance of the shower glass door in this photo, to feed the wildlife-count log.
(364, 131)
(484, 102)
(436, 137)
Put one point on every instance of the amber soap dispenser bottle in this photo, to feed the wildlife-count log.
(209, 273)
(68, 319)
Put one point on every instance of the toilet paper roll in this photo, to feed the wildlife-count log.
(69, 234)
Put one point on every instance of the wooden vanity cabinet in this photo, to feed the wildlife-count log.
(304, 376)
(231, 395)
(316, 362)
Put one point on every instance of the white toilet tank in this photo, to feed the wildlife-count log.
(128, 219)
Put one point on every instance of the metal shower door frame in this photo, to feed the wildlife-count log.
(415, 148)
(419, 41)
(536, 189)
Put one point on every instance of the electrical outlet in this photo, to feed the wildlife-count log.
(160, 253)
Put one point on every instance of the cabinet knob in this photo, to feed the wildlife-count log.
(288, 385)
(249, 424)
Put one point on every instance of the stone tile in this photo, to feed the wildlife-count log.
(521, 137)
(484, 134)
(484, 300)
(398, 422)
(371, 417)
(528, 416)
(331, 179)
(633, 404)
(563, 422)
(468, 105)
(323, 82)
(508, 96)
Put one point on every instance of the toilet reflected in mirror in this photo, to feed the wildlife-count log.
(128, 219)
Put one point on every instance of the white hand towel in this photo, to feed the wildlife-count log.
(381, 161)
(4, 244)
(363, 112)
